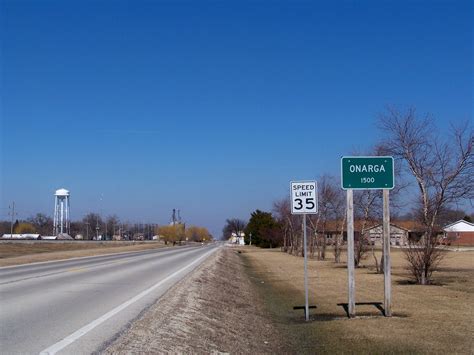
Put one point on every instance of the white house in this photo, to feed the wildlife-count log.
(398, 235)
(237, 239)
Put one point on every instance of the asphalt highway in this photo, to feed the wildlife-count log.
(78, 306)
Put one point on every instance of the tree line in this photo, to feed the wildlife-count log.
(93, 225)
(434, 174)
(177, 233)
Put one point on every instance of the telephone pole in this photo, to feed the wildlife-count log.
(87, 230)
(97, 228)
(12, 213)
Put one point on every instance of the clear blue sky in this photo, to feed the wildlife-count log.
(211, 107)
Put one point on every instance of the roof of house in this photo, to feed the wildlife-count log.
(64, 236)
(409, 225)
(459, 226)
(336, 225)
(391, 224)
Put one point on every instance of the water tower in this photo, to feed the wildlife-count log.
(61, 212)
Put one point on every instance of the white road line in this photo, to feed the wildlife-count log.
(53, 349)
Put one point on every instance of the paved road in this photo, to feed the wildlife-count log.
(78, 306)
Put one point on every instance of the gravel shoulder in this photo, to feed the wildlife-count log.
(214, 309)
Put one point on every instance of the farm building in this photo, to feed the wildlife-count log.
(28, 236)
(459, 233)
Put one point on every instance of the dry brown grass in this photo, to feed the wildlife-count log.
(427, 319)
(214, 310)
(23, 253)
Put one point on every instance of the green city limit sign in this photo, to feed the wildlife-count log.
(367, 173)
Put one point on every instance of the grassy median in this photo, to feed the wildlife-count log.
(426, 319)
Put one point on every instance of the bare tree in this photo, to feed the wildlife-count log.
(442, 168)
(43, 223)
(112, 224)
(367, 204)
(340, 216)
(327, 197)
(92, 224)
(233, 226)
(291, 225)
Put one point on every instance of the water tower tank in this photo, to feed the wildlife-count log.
(62, 192)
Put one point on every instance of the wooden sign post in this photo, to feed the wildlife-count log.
(386, 256)
(373, 173)
(350, 253)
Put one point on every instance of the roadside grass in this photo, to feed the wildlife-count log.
(426, 319)
(12, 253)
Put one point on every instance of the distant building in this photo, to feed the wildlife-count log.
(27, 236)
(400, 231)
(237, 239)
(138, 236)
(460, 233)
(398, 235)
(64, 236)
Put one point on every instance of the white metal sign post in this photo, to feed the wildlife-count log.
(371, 173)
(304, 200)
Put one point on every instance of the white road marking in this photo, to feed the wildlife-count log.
(53, 349)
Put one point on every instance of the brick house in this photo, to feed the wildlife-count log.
(460, 233)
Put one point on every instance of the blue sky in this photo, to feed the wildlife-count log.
(211, 107)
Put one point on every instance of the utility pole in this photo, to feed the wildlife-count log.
(87, 230)
(97, 228)
(12, 208)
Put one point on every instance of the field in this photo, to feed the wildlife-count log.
(23, 252)
(426, 319)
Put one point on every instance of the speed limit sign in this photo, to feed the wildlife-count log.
(304, 197)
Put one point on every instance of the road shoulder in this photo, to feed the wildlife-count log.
(214, 309)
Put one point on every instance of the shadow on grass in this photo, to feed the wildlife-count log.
(410, 282)
(327, 332)
(377, 305)
(316, 317)
(406, 282)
